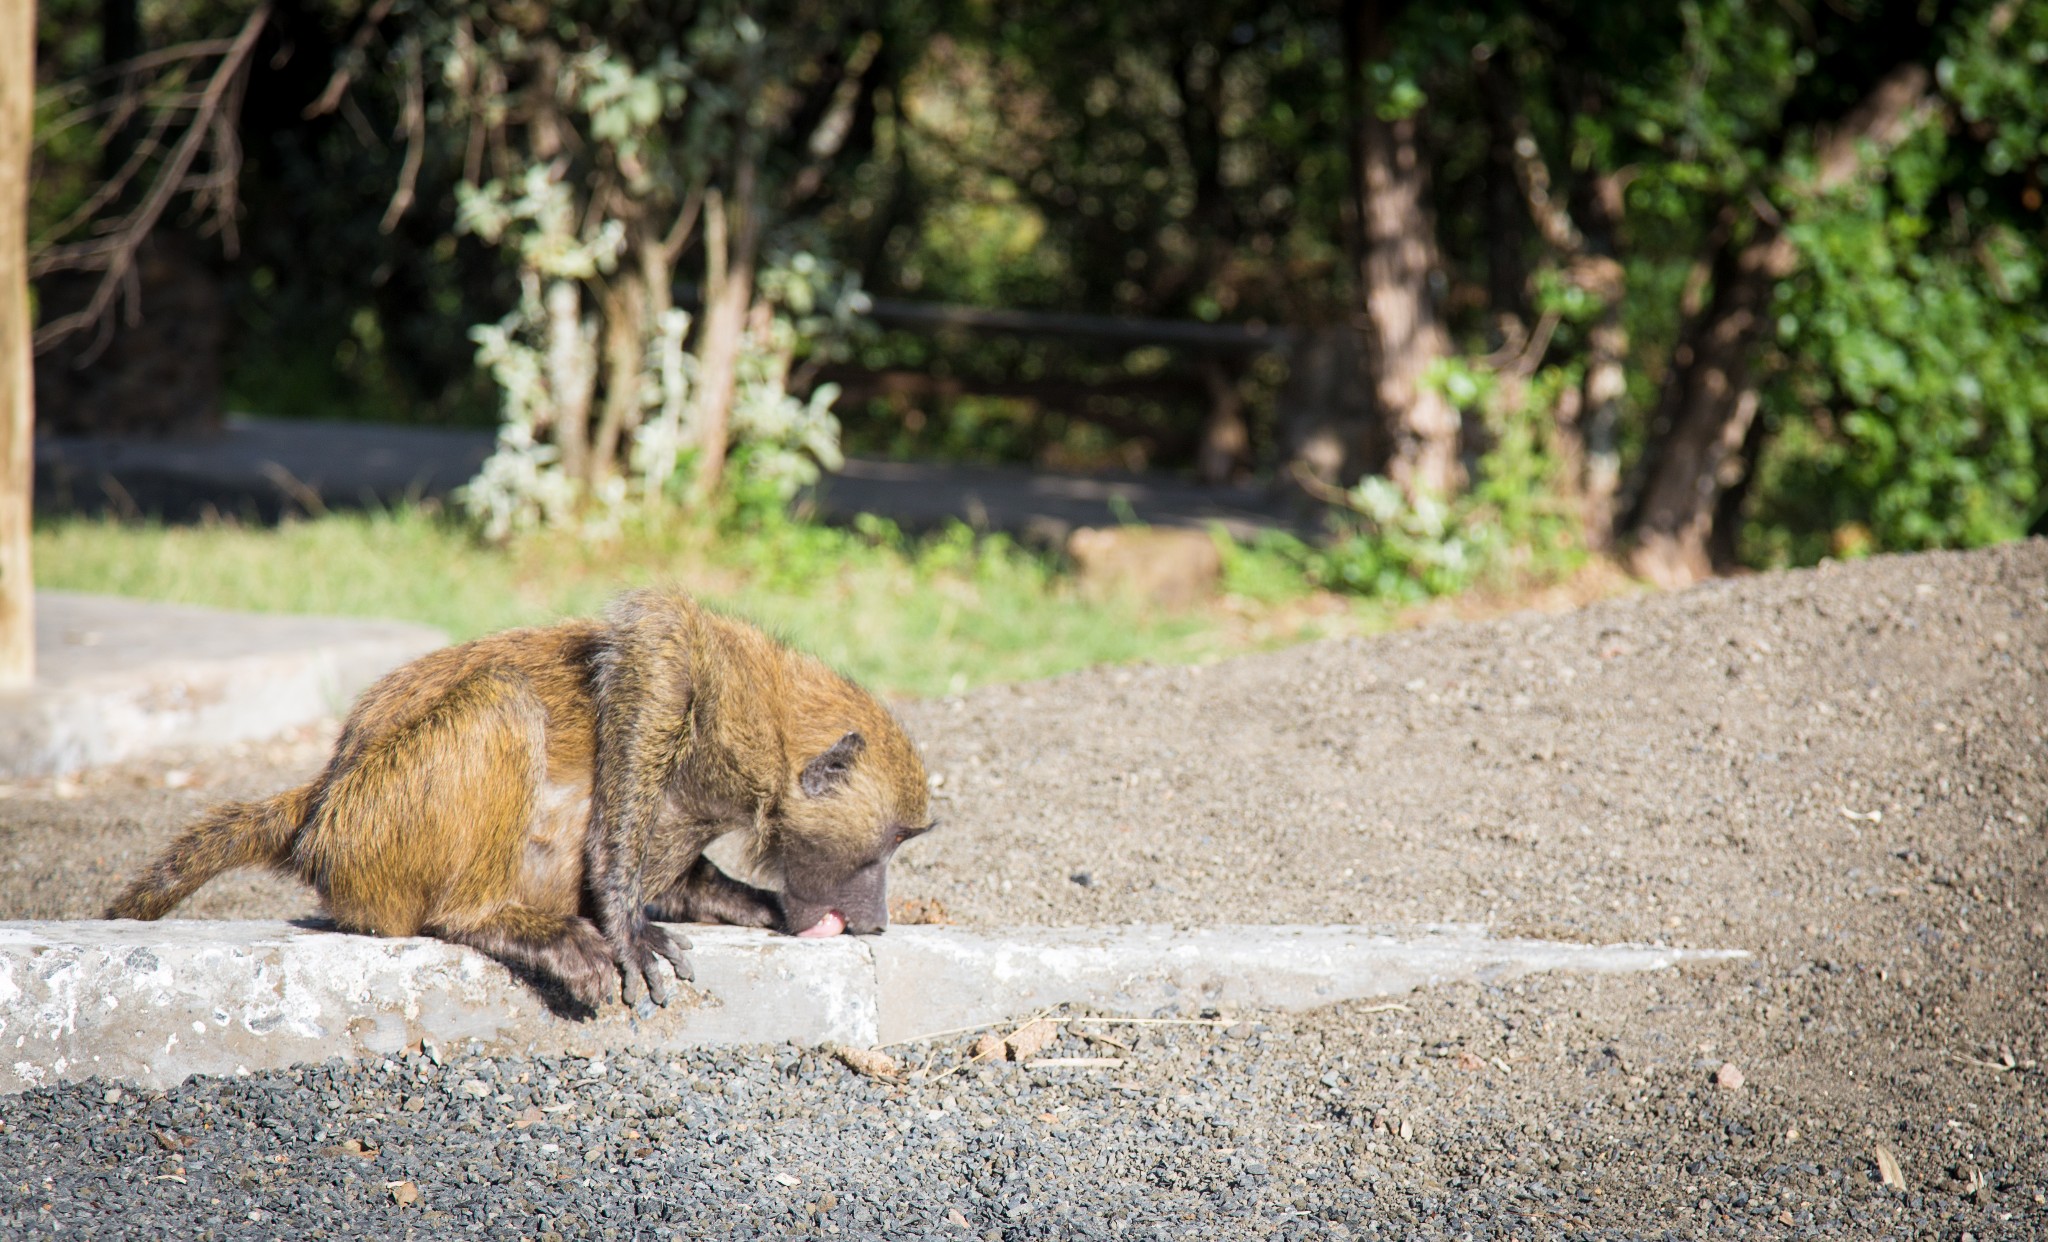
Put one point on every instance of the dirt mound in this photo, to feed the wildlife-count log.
(1844, 771)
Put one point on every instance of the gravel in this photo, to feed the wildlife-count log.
(1844, 771)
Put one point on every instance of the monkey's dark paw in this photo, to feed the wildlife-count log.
(583, 962)
(647, 942)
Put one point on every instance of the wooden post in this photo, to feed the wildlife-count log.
(17, 388)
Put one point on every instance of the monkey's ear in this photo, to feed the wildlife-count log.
(829, 771)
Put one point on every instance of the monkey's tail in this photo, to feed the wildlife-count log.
(234, 834)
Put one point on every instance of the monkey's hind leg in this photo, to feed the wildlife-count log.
(427, 827)
(705, 894)
(567, 949)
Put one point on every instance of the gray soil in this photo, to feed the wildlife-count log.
(1843, 771)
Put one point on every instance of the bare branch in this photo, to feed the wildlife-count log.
(837, 123)
(115, 254)
(1328, 493)
(414, 121)
(344, 73)
(1522, 352)
(48, 257)
(686, 224)
(197, 50)
(1533, 175)
(1884, 119)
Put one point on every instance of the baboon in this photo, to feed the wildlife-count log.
(544, 795)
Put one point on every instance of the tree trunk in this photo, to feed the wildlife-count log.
(1724, 548)
(572, 376)
(1325, 410)
(1586, 418)
(17, 391)
(1709, 399)
(1604, 387)
(730, 250)
(1397, 259)
(1706, 407)
(626, 321)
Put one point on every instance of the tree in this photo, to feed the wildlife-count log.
(1709, 401)
(623, 142)
(1397, 252)
(17, 396)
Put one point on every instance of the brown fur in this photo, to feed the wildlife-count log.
(539, 794)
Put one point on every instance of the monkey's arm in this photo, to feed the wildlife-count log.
(638, 747)
(705, 894)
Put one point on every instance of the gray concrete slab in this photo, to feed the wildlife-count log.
(117, 678)
(152, 1003)
(938, 978)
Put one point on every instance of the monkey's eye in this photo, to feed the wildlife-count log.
(904, 834)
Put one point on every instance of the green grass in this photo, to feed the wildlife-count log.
(920, 617)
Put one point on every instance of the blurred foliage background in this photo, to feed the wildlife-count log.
(1697, 286)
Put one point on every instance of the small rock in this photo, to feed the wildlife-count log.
(1728, 1078)
(867, 1061)
(1031, 1039)
(476, 1087)
(404, 1193)
(911, 911)
(1167, 567)
(989, 1047)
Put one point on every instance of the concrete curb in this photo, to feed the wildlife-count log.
(118, 678)
(153, 1003)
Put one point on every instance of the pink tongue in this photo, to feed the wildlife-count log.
(830, 925)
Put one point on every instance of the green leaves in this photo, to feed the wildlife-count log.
(625, 104)
(1910, 410)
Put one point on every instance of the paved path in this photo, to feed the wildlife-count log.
(267, 467)
(116, 678)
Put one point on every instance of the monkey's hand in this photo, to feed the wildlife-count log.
(646, 941)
